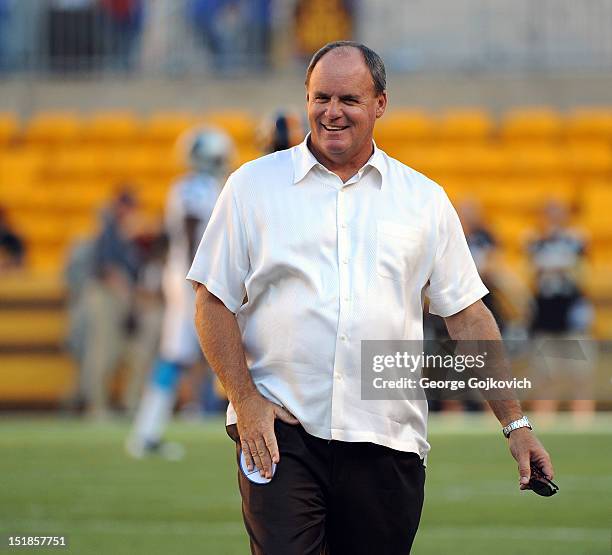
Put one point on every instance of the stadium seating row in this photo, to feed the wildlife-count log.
(58, 169)
(588, 159)
(118, 127)
(409, 124)
(50, 215)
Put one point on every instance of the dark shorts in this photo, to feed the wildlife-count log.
(333, 498)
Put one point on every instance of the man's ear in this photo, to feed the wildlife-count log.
(381, 104)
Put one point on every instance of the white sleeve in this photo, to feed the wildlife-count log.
(454, 283)
(222, 261)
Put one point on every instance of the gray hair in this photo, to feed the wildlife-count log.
(372, 60)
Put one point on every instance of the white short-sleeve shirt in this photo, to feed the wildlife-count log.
(324, 265)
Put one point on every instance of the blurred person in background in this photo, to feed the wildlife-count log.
(188, 209)
(561, 311)
(259, 18)
(124, 19)
(108, 297)
(281, 131)
(148, 311)
(509, 297)
(5, 20)
(77, 273)
(223, 28)
(12, 247)
(20, 36)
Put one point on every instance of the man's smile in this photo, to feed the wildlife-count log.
(334, 127)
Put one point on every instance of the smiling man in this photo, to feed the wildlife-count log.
(345, 98)
(333, 242)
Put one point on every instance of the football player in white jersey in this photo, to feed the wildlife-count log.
(188, 209)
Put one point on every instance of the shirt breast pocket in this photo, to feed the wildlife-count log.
(398, 248)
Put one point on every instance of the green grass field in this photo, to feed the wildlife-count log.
(70, 477)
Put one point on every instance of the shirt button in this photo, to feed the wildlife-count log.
(343, 225)
(345, 261)
(343, 337)
(347, 299)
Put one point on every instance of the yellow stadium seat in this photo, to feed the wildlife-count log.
(537, 159)
(166, 127)
(474, 160)
(53, 127)
(27, 287)
(399, 126)
(160, 186)
(20, 167)
(465, 124)
(599, 248)
(428, 161)
(527, 196)
(589, 158)
(36, 377)
(80, 226)
(38, 228)
(596, 207)
(540, 123)
(239, 125)
(596, 201)
(602, 327)
(512, 232)
(83, 162)
(14, 199)
(590, 123)
(153, 199)
(48, 259)
(82, 199)
(152, 161)
(598, 284)
(27, 326)
(9, 127)
(133, 163)
(116, 162)
(486, 160)
(113, 127)
(460, 188)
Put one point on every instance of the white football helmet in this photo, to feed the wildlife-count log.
(208, 150)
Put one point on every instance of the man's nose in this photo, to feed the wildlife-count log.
(333, 109)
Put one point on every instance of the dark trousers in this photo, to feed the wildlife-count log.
(333, 498)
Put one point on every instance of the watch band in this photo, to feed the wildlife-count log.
(515, 425)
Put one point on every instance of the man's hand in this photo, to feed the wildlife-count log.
(256, 417)
(526, 449)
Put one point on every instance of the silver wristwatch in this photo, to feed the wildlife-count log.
(515, 425)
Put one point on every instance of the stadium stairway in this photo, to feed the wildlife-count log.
(34, 368)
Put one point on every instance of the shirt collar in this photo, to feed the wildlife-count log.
(304, 161)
